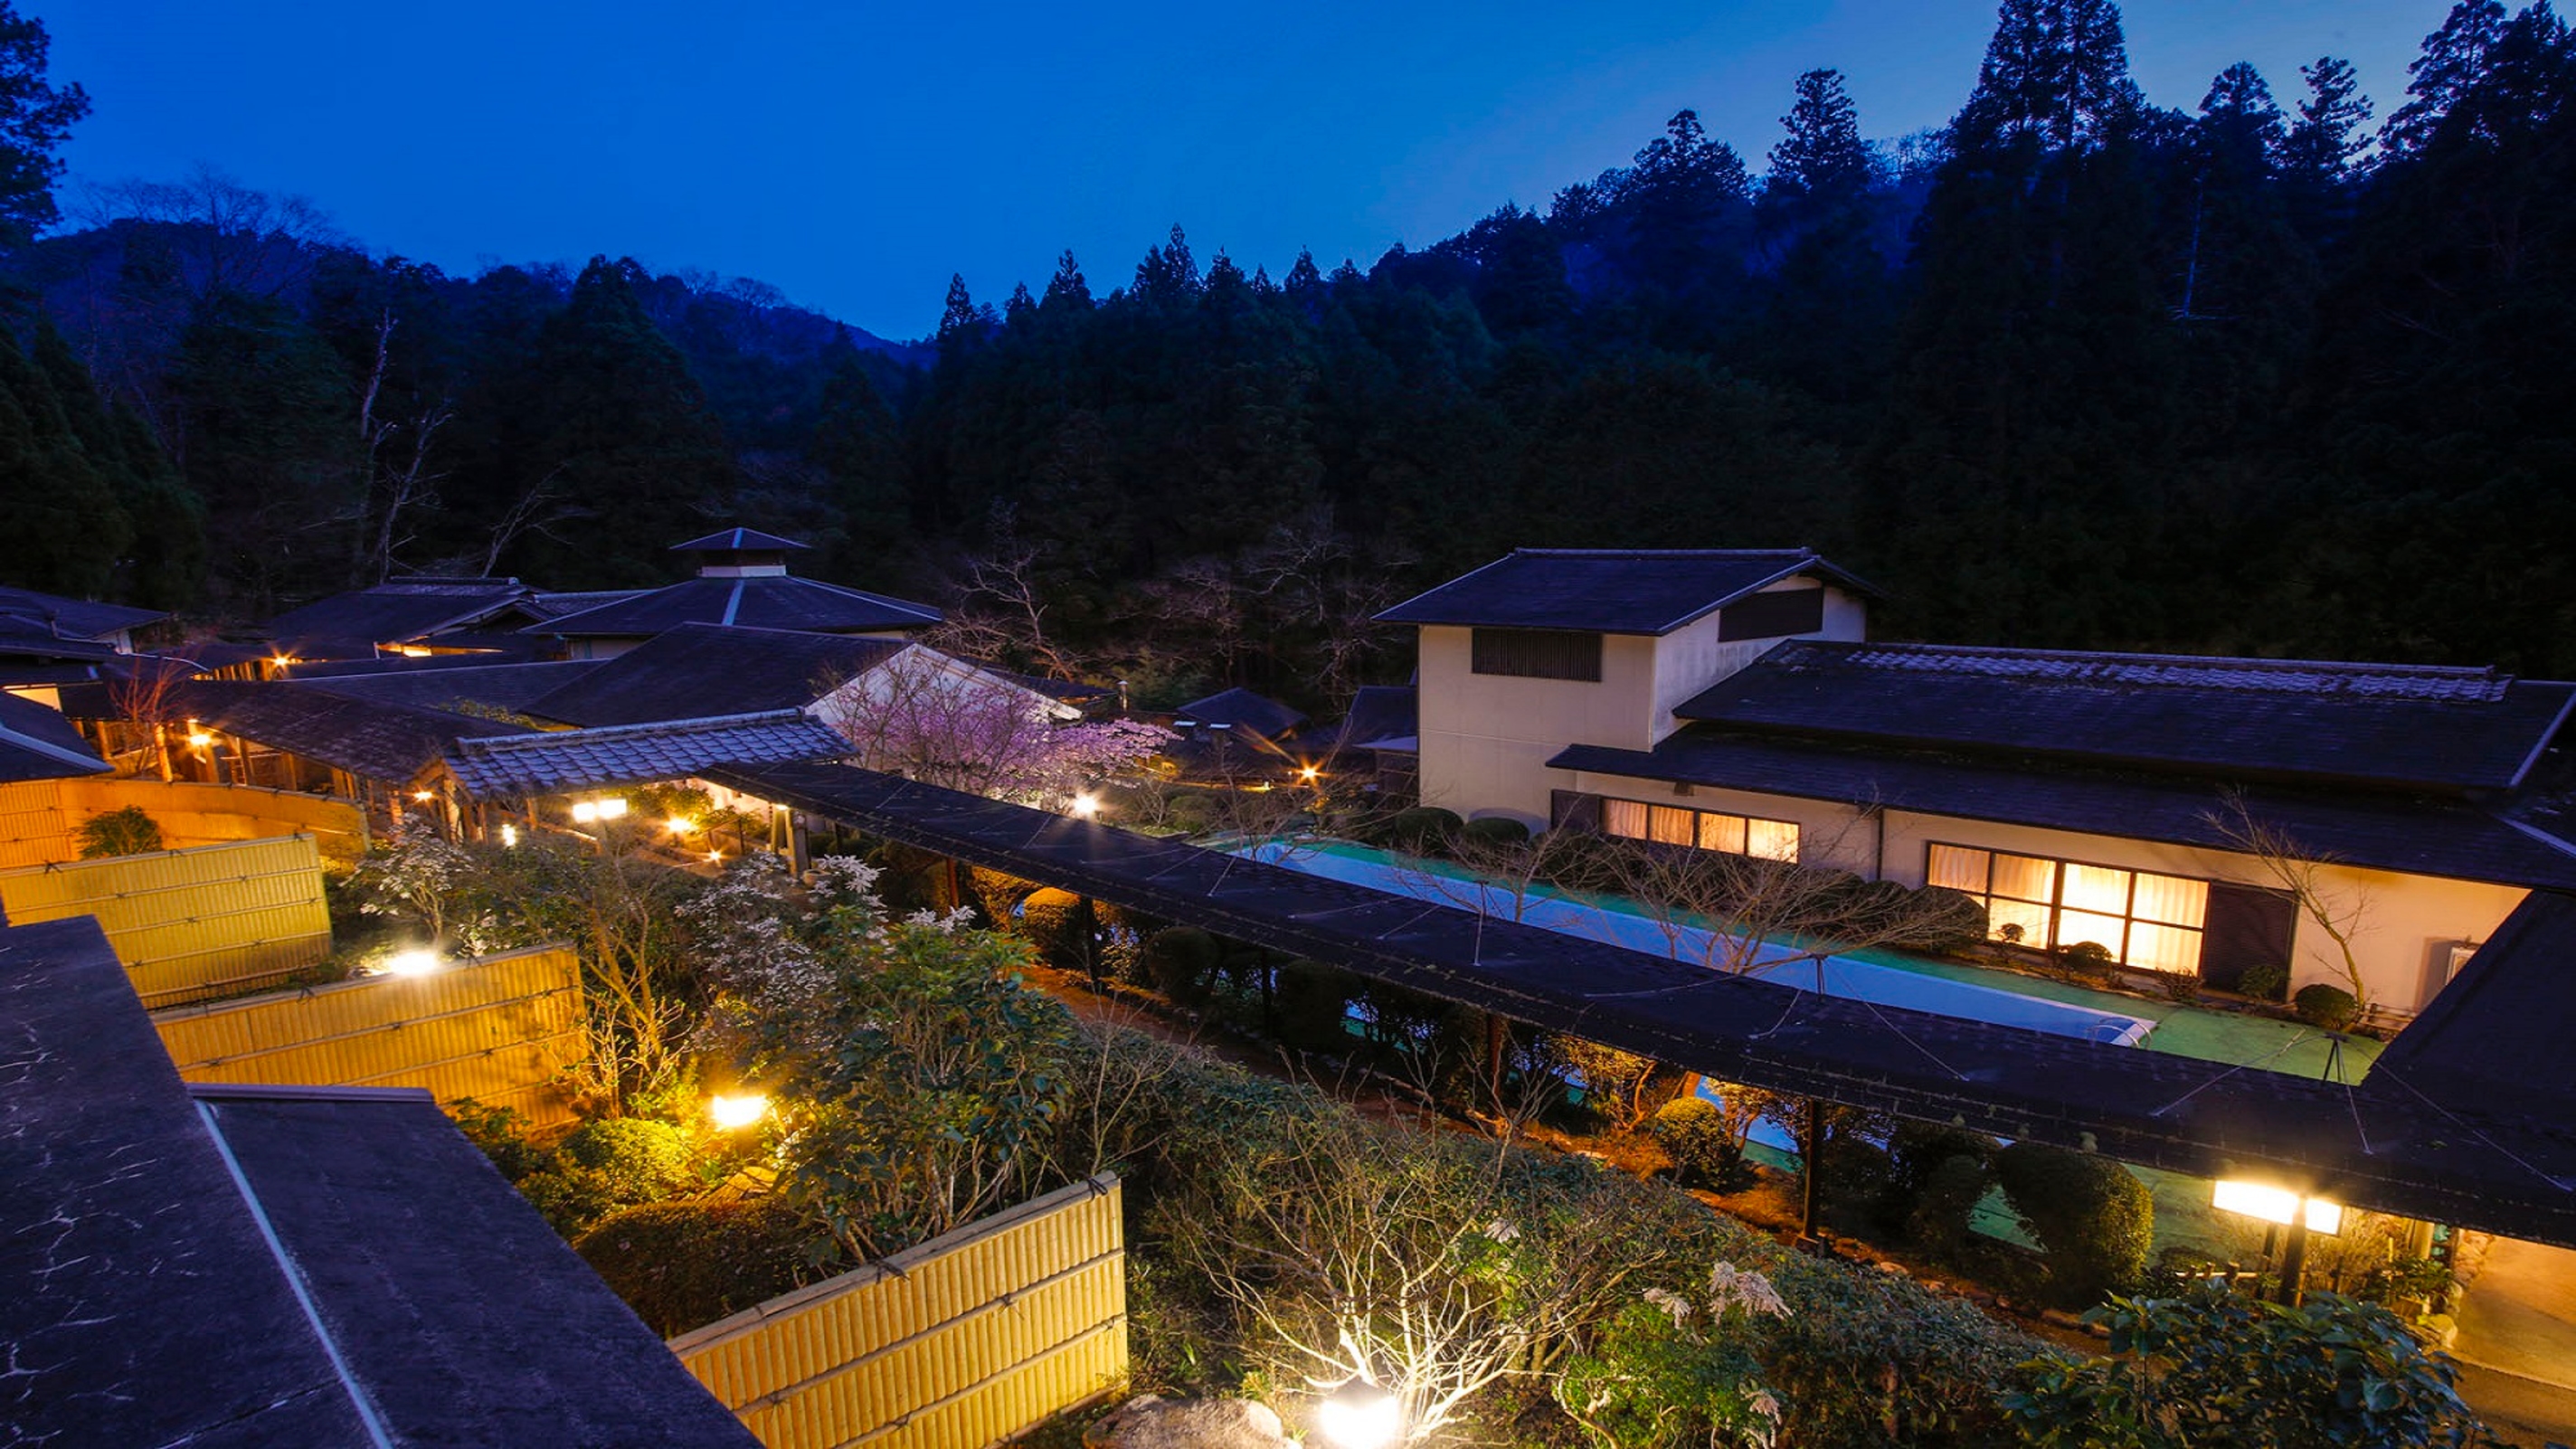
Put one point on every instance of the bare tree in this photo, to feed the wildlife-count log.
(997, 610)
(148, 697)
(397, 475)
(2341, 914)
(233, 238)
(536, 511)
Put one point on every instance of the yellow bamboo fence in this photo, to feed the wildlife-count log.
(214, 920)
(963, 1341)
(40, 820)
(500, 1030)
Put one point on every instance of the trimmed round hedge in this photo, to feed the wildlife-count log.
(683, 1265)
(2329, 1007)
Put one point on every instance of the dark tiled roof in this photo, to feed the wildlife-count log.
(761, 601)
(2385, 832)
(2500, 1032)
(1243, 710)
(79, 618)
(348, 625)
(1383, 717)
(493, 686)
(371, 739)
(2400, 726)
(37, 743)
(554, 605)
(546, 764)
(143, 1304)
(23, 638)
(739, 540)
(1615, 591)
(698, 671)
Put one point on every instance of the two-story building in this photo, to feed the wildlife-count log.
(2197, 816)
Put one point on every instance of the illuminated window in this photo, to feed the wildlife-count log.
(1704, 829)
(2141, 918)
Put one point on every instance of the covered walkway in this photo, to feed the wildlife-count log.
(2380, 1144)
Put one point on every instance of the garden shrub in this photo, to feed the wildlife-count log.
(1418, 831)
(1193, 812)
(2088, 962)
(1942, 922)
(641, 1159)
(1046, 917)
(2092, 1218)
(2212, 1367)
(129, 831)
(1313, 1001)
(1938, 1220)
(502, 1135)
(1865, 1359)
(1495, 830)
(2330, 1008)
(1695, 1136)
(1918, 1153)
(1180, 962)
(683, 1265)
(2265, 981)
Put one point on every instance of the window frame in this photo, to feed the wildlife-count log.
(2057, 909)
(1699, 829)
(1504, 653)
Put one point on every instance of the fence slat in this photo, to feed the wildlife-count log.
(500, 1030)
(965, 1340)
(193, 923)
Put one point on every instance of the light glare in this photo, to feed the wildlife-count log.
(2274, 1205)
(1360, 1415)
(1086, 806)
(411, 963)
(732, 1112)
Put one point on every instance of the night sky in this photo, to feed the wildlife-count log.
(855, 156)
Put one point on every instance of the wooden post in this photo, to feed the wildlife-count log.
(2294, 1254)
(1811, 1168)
(1086, 929)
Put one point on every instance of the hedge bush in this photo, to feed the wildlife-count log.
(1694, 1135)
(641, 1158)
(683, 1265)
(1923, 1189)
(2092, 1218)
(2265, 981)
(1495, 830)
(2328, 1007)
(1418, 831)
(1938, 1221)
(1180, 962)
(1313, 1001)
(2089, 962)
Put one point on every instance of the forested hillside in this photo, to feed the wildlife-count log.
(2275, 375)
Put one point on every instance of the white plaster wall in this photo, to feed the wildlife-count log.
(2403, 918)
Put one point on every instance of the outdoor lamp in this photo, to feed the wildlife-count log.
(509, 833)
(732, 1112)
(612, 808)
(1360, 1415)
(2275, 1205)
(1086, 806)
(1309, 774)
(418, 962)
(200, 739)
(584, 811)
(681, 825)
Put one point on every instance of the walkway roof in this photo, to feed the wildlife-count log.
(2379, 1144)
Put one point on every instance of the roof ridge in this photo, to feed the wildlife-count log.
(594, 733)
(1798, 552)
(2247, 662)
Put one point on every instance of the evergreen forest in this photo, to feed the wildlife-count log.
(2284, 373)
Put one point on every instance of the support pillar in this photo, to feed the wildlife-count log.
(2294, 1254)
(1811, 1171)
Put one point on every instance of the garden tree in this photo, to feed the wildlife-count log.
(616, 904)
(2340, 912)
(625, 435)
(939, 720)
(165, 555)
(1659, 1377)
(1428, 1265)
(67, 527)
(921, 1080)
(36, 117)
(2211, 1367)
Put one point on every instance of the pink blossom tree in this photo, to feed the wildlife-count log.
(943, 721)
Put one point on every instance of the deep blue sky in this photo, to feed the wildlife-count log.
(855, 155)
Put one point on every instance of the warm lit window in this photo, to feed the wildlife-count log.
(1536, 653)
(2142, 919)
(1705, 829)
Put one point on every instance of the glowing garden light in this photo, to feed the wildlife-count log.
(419, 962)
(1360, 1415)
(732, 1112)
(509, 834)
(1086, 806)
(2275, 1205)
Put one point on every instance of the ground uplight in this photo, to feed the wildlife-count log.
(737, 1111)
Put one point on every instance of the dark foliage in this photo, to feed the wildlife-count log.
(682, 1265)
(2089, 1214)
